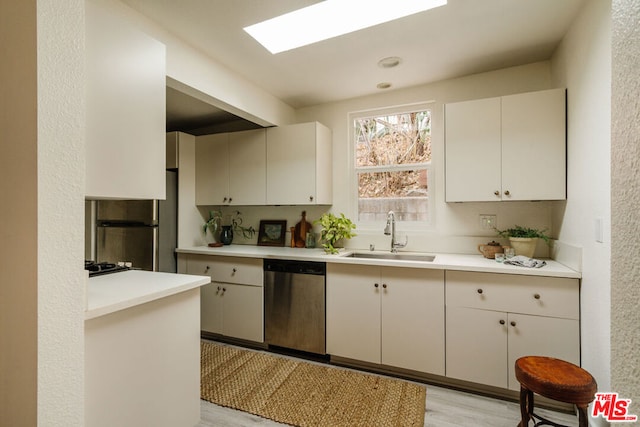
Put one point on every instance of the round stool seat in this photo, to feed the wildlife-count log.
(556, 379)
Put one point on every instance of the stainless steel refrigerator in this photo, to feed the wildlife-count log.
(142, 232)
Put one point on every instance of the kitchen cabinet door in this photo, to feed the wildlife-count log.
(125, 109)
(413, 319)
(299, 165)
(247, 167)
(534, 146)
(472, 151)
(211, 308)
(212, 169)
(476, 346)
(541, 336)
(353, 312)
(242, 312)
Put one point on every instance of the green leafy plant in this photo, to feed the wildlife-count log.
(523, 232)
(217, 220)
(334, 228)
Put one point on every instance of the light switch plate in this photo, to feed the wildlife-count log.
(488, 222)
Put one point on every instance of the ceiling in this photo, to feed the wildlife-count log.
(461, 38)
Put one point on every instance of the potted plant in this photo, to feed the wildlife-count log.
(222, 226)
(524, 239)
(334, 229)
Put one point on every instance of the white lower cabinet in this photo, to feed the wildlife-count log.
(232, 304)
(493, 319)
(385, 315)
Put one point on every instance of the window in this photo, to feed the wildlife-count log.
(392, 160)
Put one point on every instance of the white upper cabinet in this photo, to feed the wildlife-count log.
(231, 168)
(299, 165)
(507, 148)
(125, 107)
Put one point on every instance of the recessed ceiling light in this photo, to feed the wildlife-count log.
(389, 62)
(331, 18)
(384, 85)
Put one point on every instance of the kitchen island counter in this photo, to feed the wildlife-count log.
(118, 291)
(458, 262)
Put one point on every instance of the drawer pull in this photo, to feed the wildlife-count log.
(497, 193)
(502, 322)
(513, 323)
(233, 271)
(207, 268)
(507, 193)
(480, 290)
(375, 285)
(384, 285)
(536, 296)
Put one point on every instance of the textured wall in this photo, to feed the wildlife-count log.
(625, 202)
(61, 280)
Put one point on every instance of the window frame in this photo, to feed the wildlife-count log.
(354, 170)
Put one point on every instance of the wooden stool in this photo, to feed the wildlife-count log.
(554, 379)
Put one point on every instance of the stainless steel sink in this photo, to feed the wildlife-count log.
(392, 256)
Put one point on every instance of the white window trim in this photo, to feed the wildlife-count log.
(403, 226)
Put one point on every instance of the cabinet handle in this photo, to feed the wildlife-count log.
(311, 198)
(224, 290)
(536, 296)
(502, 322)
(497, 193)
(224, 200)
(206, 268)
(233, 271)
(506, 193)
(513, 323)
(230, 199)
(375, 285)
(384, 285)
(218, 291)
(480, 290)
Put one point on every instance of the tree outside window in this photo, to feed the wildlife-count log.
(392, 162)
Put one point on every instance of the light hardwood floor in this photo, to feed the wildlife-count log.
(444, 408)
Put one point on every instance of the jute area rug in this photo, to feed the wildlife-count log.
(305, 394)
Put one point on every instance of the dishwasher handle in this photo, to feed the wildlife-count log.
(296, 267)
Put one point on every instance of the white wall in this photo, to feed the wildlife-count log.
(455, 226)
(192, 72)
(582, 64)
(625, 202)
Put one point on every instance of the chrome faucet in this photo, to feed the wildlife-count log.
(390, 229)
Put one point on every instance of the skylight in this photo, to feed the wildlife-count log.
(331, 18)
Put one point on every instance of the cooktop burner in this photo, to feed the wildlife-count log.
(98, 268)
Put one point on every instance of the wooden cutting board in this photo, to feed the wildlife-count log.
(300, 231)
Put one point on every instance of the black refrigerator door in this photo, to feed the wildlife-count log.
(128, 244)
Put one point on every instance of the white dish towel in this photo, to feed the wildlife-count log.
(523, 261)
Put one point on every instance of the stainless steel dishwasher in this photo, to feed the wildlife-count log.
(294, 298)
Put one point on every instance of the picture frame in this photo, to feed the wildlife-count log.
(272, 232)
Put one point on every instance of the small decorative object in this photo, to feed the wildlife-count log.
(293, 237)
(271, 232)
(300, 231)
(490, 249)
(499, 257)
(509, 252)
(334, 229)
(226, 235)
(310, 241)
(523, 239)
(233, 221)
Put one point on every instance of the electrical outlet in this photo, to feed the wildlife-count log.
(488, 222)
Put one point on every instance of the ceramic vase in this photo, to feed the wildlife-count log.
(226, 235)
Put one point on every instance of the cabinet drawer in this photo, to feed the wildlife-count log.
(541, 296)
(200, 265)
(242, 271)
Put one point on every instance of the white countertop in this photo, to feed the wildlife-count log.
(117, 291)
(459, 262)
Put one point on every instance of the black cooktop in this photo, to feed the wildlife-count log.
(99, 268)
